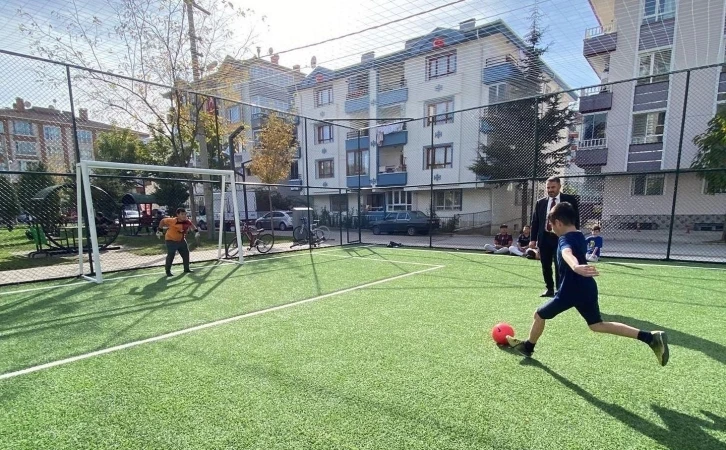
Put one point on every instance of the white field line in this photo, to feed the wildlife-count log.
(221, 262)
(206, 325)
(673, 265)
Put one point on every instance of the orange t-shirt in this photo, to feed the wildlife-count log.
(177, 229)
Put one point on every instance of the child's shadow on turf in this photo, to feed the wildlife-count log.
(681, 431)
(711, 349)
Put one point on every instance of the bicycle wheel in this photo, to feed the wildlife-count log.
(300, 234)
(325, 230)
(233, 248)
(319, 236)
(265, 242)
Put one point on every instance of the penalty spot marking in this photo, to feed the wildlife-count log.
(205, 326)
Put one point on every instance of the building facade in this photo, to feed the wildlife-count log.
(445, 71)
(636, 126)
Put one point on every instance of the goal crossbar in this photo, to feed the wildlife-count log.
(83, 175)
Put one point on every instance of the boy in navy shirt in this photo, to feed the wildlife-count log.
(578, 290)
(594, 244)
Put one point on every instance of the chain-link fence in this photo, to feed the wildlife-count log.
(629, 151)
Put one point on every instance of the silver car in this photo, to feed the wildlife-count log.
(282, 220)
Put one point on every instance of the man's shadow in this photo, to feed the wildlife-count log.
(711, 349)
(682, 431)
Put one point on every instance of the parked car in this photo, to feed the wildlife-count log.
(130, 213)
(409, 222)
(24, 217)
(282, 220)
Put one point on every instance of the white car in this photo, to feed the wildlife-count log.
(282, 220)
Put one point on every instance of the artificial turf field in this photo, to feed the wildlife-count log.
(391, 351)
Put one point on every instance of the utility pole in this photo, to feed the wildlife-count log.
(198, 129)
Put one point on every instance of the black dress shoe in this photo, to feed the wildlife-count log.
(548, 293)
(189, 271)
(169, 274)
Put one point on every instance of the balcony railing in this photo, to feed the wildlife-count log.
(354, 134)
(592, 143)
(600, 31)
(501, 59)
(357, 93)
(595, 90)
(385, 87)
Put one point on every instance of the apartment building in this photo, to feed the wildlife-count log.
(31, 134)
(434, 75)
(636, 126)
(255, 81)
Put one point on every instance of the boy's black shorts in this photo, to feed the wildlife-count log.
(585, 303)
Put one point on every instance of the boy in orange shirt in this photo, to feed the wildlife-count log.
(176, 232)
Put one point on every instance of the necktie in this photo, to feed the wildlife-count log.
(552, 205)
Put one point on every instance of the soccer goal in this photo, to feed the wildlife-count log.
(124, 234)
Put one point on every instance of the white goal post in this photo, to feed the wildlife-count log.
(83, 175)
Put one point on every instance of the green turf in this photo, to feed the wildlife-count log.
(399, 364)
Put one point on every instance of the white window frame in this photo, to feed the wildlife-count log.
(23, 153)
(652, 77)
(444, 64)
(592, 141)
(325, 140)
(321, 99)
(448, 200)
(47, 128)
(648, 138)
(498, 97)
(15, 128)
(399, 200)
(649, 178)
(658, 16)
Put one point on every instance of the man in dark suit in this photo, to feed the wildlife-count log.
(542, 235)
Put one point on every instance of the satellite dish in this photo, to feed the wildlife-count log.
(27, 104)
(313, 62)
(270, 51)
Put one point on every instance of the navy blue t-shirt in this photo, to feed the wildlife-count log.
(570, 282)
(592, 242)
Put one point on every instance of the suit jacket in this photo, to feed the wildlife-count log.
(541, 209)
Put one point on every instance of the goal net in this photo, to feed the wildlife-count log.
(125, 204)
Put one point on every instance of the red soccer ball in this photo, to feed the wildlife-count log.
(500, 333)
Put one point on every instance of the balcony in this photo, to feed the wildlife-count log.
(651, 96)
(389, 137)
(500, 69)
(395, 178)
(392, 93)
(351, 140)
(598, 98)
(591, 152)
(295, 185)
(259, 119)
(599, 40)
(351, 181)
(357, 101)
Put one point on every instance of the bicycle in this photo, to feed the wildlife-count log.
(310, 234)
(262, 242)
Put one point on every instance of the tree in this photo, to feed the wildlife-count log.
(520, 129)
(712, 155)
(171, 193)
(45, 212)
(272, 158)
(119, 145)
(9, 209)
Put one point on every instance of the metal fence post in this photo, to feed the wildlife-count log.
(678, 166)
(430, 159)
(82, 206)
(307, 189)
(532, 200)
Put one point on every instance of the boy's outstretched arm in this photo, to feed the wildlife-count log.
(580, 269)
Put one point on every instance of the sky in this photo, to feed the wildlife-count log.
(293, 23)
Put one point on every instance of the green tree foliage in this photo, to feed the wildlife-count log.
(712, 155)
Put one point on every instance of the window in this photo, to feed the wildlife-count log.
(2, 127)
(439, 157)
(323, 134)
(440, 111)
(440, 65)
(656, 10)
(358, 86)
(25, 148)
(339, 203)
(85, 137)
(593, 130)
(51, 133)
(399, 201)
(325, 168)
(294, 171)
(256, 138)
(655, 66)
(358, 162)
(648, 128)
(449, 200)
(234, 114)
(721, 107)
(498, 93)
(650, 184)
(85, 144)
(22, 128)
(324, 96)
(709, 189)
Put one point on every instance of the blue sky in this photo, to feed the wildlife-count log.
(292, 23)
